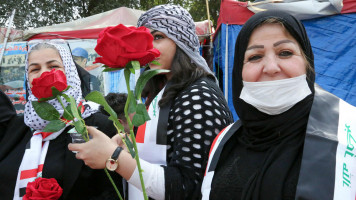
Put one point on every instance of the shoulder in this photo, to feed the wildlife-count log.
(205, 92)
(7, 110)
(221, 140)
(203, 86)
(204, 83)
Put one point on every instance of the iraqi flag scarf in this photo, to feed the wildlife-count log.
(328, 164)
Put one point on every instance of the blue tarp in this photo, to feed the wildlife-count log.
(333, 40)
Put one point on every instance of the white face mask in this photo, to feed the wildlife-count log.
(275, 97)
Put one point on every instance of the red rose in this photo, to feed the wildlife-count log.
(120, 44)
(41, 87)
(43, 188)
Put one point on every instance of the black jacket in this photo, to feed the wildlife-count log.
(77, 180)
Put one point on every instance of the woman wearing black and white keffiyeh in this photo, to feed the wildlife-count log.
(26, 152)
(187, 110)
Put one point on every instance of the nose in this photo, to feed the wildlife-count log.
(43, 69)
(271, 66)
(155, 45)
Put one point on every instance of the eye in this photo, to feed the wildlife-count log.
(33, 69)
(158, 37)
(54, 66)
(285, 54)
(254, 58)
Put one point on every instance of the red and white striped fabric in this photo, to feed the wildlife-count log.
(146, 140)
(33, 161)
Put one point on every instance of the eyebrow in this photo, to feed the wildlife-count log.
(282, 42)
(255, 47)
(49, 62)
(275, 44)
(153, 32)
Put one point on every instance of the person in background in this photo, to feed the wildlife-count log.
(284, 145)
(117, 102)
(187, 112)
(80, 57)
(27, 153)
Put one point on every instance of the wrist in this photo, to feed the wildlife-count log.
(112, 162)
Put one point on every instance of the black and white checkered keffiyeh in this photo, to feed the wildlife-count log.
(178, 25)
(36, 149)
(31, 118)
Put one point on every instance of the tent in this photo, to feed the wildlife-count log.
(90, 27)
(86, 28)
(84, 32)
(330, 25)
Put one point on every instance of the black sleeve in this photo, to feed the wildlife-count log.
(7, 111)
(198, 114)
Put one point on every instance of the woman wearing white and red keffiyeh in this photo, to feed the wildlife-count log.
(187, 110)
(27, 152)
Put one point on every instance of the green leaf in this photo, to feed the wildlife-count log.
(98, 98)
(45, 110)
(142, 80)
(111, 69)
(155, 62)
(67, 114)
(132, 70)
(54, 126)
(117, 123)
(130, 67)
(47, 99)
(136, 65)
(132, 105)
(73, 108)
(130, 146)
(79, 110)
(55, 93)
(80, 127)
(66, 97)
(141, 115)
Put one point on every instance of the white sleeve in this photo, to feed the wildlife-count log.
(153, 177)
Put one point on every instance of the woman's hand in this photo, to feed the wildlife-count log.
(95, 152)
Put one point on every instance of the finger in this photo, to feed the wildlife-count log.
(93, 131)
(117, 139)
(77, 156)
(75, 147)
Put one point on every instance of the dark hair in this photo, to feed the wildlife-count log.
(117, 102)
(184, 72)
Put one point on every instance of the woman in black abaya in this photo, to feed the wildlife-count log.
(270, 153)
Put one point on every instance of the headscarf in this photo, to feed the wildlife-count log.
(31, 118)
(178, 25)
(281, 136)
(36, 149)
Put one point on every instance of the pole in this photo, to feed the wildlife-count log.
(210, 50)
(227, 64)
(207, 11)
(7, 34)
